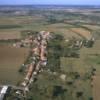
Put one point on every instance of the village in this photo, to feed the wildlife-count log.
(49, 52)
(38, 60)
(39, 57)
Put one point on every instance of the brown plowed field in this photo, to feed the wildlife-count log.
(10, 61)
(9, 34)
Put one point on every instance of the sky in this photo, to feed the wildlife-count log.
(57, 2)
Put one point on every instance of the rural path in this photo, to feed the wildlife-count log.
(96, 88)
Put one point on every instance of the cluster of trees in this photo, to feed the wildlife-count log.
(88, 43)
(57, 48)
(54, 52)
(52, 92)
(70, 51)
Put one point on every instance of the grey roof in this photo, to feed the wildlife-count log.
(2, 96)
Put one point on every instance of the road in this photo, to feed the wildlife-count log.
(96, 87)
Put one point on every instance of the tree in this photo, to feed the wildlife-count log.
(79, 94)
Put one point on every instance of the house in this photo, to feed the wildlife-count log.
(30, 71)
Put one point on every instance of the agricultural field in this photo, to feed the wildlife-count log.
(72, 24)
(82, 32)
(9, 34)
(89, 57)
(10, 61)
(92, 27)
(92, 58)
(63, 29)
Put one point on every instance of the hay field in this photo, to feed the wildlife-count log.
(92, 27)
(82, 32)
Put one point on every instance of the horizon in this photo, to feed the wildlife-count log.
(47, 5)
(50, 2)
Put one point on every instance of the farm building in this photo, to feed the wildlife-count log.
(3, 92)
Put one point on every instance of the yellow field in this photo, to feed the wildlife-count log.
(64, 29)
(92, 27)
(82, 32)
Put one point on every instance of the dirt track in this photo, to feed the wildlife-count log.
(96, 88)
